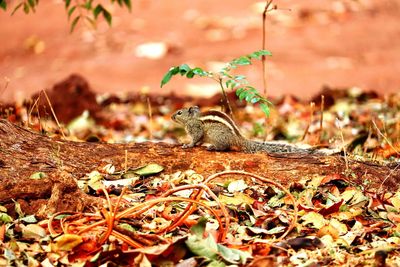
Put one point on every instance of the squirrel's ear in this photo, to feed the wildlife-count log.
(194, 109)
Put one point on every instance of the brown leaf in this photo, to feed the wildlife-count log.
(331, 209)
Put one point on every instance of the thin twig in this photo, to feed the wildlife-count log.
(321, 121)
(387, 177)
(343, 145)
(31, 109)
(386, 139)
(5, 86)
(126, 161)
(149, 110)
(54, 114)
(264, 64)
(39, 118)
(312, 106)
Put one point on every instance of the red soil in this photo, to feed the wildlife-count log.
(336, 43)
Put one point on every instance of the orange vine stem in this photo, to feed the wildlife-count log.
(183, 216)
(265, 180)
(110, 216)
(132, 210)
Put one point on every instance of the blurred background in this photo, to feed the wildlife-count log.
(339, 44)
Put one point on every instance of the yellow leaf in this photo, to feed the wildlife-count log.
(237, 199)
(315, 219)
(354, 196)
(33, 231)
(340, 227)
(67, 242)
(328, 230)
(396, 201)
(356, 230)
(347, 215)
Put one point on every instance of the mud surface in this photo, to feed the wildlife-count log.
(315, 43)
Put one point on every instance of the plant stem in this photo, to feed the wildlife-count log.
(227, 105)
(321, 121)
(264, 64)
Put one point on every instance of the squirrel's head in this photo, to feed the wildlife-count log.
(183, 115)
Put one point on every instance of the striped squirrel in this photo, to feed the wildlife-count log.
(221, 132)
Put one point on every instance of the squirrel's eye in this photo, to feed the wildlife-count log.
(180, 112)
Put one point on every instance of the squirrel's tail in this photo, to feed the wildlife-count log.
(276, 148)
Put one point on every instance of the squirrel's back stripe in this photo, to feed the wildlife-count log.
(215, 115)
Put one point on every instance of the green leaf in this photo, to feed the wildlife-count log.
(255, 100)
(234, 84)
(127, 227)
(200, 72)
(239, 91)
(216, 264)
(32, 3)
(128, 4)
(233, 66)
(3, 4)
(97, 10)
(70, 11)
(243, 94)
(16, 8)
(190, 74)
(184, 68)
(74, 22)
(174, 70)
(228, 82)
(251, 89)
(26, 8)
(249, 96)
(259, 54)
(107, 16)
(88, 4)
(203, 247)
(264, 107)
(167, 77)
(233, 255)
(199, 228)
(29, 219)
(38, 176)
(5, 218)
(67, 3)
(240, 77)
(149, 169)
(18, 210)
(242, 61)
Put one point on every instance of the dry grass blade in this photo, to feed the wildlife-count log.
(54, 114)
(321, 121)
(386, 139)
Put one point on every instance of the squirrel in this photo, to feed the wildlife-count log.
(221, 132)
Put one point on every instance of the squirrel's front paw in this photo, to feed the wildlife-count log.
(187, 146)
(211, 148)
